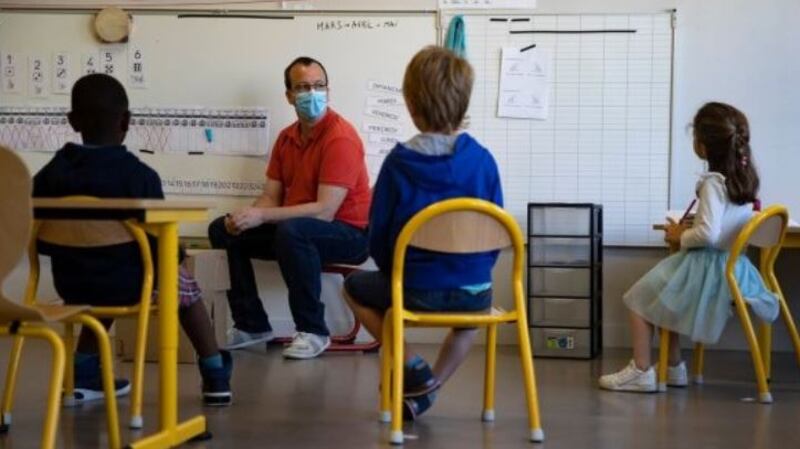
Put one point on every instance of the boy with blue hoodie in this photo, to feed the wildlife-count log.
(112, 275)
(435, 165)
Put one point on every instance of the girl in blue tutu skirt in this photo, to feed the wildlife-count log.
(687, 292)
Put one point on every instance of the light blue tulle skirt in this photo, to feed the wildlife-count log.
(687, 293)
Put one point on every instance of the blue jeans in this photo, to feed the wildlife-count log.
(301, 246)
(373, 289)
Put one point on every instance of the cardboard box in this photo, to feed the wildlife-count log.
(210, 269)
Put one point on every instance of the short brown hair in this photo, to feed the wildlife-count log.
(724, 132)
(437, 87)
(304, 61)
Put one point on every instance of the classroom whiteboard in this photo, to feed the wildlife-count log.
(606, 138)
(228, 63)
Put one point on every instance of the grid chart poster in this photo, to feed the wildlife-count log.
(606, 136)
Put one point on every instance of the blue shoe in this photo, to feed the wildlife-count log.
(413, 407)
(217, 383)
(418, 379)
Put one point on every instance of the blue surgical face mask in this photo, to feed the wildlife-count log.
(311, 105)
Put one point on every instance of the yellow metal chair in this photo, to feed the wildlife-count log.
(766, 230)
(461, 225)
(23, 320)
(87, 234)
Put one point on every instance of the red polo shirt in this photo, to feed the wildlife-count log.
(333, 155)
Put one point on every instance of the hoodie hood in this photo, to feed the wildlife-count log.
(417, 160)
(432, 144)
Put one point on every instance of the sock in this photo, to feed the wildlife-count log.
(211, 362)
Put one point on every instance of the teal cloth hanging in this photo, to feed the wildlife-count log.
(456, 39)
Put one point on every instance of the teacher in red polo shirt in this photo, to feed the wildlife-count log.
(313, 212)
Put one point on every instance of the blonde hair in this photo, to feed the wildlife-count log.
(437, 87)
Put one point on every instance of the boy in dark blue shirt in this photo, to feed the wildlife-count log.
(111, 275)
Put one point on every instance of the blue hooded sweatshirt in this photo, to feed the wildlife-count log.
(408, 182)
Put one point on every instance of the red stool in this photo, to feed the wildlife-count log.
(345, 342)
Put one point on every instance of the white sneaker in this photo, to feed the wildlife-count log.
(630, 378)
(238, 339)
(676, 375)
(306, 346)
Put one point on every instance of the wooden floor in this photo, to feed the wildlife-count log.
(331, 402)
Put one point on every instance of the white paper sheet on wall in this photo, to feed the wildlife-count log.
(38, 80)
(90, 63)
(62, 73)
(137, 66)
(386, 121)
(11, 72)
(523, 84)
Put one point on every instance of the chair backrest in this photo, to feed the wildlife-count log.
(766, 230)
(461, 231)
(16, 218)
(83, 233)
(461, 225)
(88, 234)
(770, 231)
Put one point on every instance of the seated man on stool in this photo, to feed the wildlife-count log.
(313, 212)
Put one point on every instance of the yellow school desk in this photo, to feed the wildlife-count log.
(792, 240)
(160, 217)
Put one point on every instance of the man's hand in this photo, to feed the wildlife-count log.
(247, 218)
(230, 227)
(673, 233)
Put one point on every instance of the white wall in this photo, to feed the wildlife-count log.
(744, 53)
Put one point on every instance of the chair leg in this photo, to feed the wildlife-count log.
(137, 421)
(396, 436)
(529, 377)
(697, 364)
(107, 371)
(11, 382)
(386, 373)
(755, 351)
(489, 374)
(790, 326)
(765, 344)
(56, 380)
(69, 365)
(663, 359)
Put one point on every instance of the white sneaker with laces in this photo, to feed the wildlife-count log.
(306, 346)
(631, 378)
(238, 339)
(677, 375)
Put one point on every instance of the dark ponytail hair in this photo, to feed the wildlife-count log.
(724, 132)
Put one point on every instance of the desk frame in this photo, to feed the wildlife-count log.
(159, 217)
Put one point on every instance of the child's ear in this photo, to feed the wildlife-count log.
(74, 121)
(126, 121)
